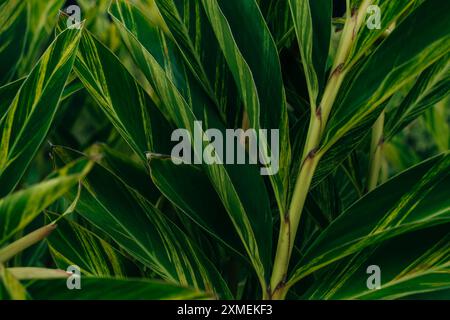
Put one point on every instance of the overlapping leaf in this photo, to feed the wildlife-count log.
(28, 119)
(13, 21)
(279, 20)
(369, 86)
(405, 262)
(133, 114)
(73, 245)
(12, 286)
(431, 87)
(144, 232)
(415, 199)
(42, 17)
(7, 94)
(20, 208)
(393, 64)
(253, 60)
(312, 21)
(184, 103)
(112, 289)
(391, 13)
(131, 172)
(189, 189)
(191, 32)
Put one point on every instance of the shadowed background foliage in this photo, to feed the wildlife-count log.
(86, 116)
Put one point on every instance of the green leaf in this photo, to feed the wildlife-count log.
(125, 103)
(72, 244)
(260, 89)
(30, 115)
(393, 64)
(413, 200)
(312, 21)
(431, 87)
(42, 17)
(20, 208)
(189, 189)
(278, 16)
(201, 53)
(132, 173)
(13, 287)
(412, 263)
(348, 127)
(391, 14)
(429, 273)
(13, 22)
(247, 206)
(113, 289)
(144, 232)
(432, 280)
(7, 94)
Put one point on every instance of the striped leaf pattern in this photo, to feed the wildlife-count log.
(172, 180)
(73, 245)
(431, 87)
(22, 207)
(175, 92)
(390, 67)
(13, 17)
(133, 115)
(402, 264)
(368, 88)
(12, 286)
(402, 210)
(312, 21)
(362, 113)
(144, 231)
(260, 89)
(30, 114)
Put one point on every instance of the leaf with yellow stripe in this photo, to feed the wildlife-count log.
(72, 244)
(432, 86)
(14, 289)
(7, 94)
(42, 17)
(126, 104)
(29, 117)
(176, 183)
(312, 24)
(392, 65)
(416, 199)
(391, 15)
(143, 231)
(260, 88)
(13, 22)
(21, 208)
(202, 54)
(412, 263)
(181, 100)
(370, 84)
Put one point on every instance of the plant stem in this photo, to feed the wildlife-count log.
(376, 151)
(289, 224)
(25, 242)
(311, 155)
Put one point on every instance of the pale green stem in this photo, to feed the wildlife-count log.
(25, 242)
(311, 156)
(32, 273)
(376, 153)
